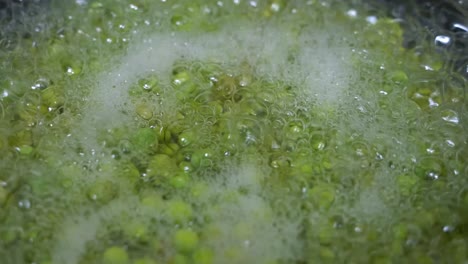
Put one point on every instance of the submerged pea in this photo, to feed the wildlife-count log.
(115, 255)
(185, 240)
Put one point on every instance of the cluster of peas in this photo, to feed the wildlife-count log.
(164, 179)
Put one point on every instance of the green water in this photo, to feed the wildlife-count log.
(228, 132)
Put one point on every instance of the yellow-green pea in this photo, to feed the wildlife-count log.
(144, 261)
(179, 211)
(115, 255)
(185, 240)
(203, 256)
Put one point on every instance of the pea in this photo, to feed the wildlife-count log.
(152, 201)
(185, 240)
(406, 183)
(144, 261)
(179, 181)
(115, 255)
(136, 230)
(179, 259)
(398, 76)
(162, 166)
(25, 150)
(179, 211)
(102, 191)
(3, 195)
(144, 111)
(322, 195)
(203, 256)
(145, 138)
(186, 138)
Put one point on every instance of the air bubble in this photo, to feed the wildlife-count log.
(442, 41)
(450, 116)
(352, 13)
(25, 204)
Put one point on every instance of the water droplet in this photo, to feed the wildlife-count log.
(450, 116)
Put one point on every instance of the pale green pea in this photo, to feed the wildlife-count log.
(406, 183)
(165, 135)
(145, 138)
(179, 211)
(398, 76)
(3, 195)
(153, 201)
(25, 150)
(137, 231)
(203, 256)
(186, 167)
(102, 191)
(144, 111)
(181, 78)
(115, 255)
(179, 181)
(144, 261)
(185, 240)
(327, 254)
(186, 138)
(162, 165)
(322, 195)
(148, 83)
(179, 259)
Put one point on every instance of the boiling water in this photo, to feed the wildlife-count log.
(229, 132)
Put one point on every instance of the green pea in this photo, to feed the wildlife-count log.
(153, 201)
(52, 97)
(148, 83)
(179, 211)
(322, 195)
(327, 254)
(145, 138)
(144, 261)
(186, 138)
(169, 149)
(3, 195)
(399, 76)
(202, 158)
(102, 191)
(186, 167)
(179, 259)
(162, 166)
(179, 181)
(185, 240)
(115, 255)
(25, 150)
(144, 111)
(136, 230)
(165, 135)
(203, 256)
(406, 183)
(181, 78)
